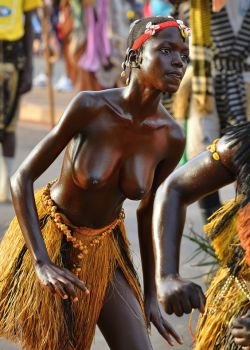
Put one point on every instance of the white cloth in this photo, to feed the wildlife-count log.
(202, 130)
(6, 168)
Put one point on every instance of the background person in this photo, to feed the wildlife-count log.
(16, 40)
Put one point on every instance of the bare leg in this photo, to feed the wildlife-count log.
(121, 320)
(9, 144)
(7, 149)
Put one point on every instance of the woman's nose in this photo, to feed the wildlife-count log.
(176, 60)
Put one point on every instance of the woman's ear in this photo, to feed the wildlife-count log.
(134, 58)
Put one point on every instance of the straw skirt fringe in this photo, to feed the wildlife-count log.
(213, 328)
(37, 320)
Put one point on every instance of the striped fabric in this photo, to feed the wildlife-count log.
(202, 84)
(229, 62)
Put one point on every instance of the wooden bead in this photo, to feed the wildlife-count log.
(216, 156)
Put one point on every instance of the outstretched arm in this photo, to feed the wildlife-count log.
(199, 177)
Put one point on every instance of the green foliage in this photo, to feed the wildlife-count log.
(204, 252)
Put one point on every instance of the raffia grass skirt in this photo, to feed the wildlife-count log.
(30, 315)
(223, 304)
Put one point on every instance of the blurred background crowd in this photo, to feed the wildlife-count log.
(90, 36)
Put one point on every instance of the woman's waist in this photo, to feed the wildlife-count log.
(82, 213)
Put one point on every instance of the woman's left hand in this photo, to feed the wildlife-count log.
(241, 331)
(154, 315)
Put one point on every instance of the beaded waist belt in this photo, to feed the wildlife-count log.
(67, 229)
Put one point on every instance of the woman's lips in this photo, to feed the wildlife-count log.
(175, 75)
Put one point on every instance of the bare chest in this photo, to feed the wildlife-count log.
(125, 160)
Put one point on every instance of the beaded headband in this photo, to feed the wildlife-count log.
(151, 29)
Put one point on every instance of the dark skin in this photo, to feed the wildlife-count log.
(120, 143)
(197, 178)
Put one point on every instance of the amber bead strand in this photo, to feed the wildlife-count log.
(66, 230)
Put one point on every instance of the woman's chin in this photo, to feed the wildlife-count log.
(171, 88)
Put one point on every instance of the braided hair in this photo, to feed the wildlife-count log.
(240, 136)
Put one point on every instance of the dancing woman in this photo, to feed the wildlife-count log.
(70, 238)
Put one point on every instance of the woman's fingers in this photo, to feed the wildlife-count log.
(186, 306)
(170, 330)
(61, 282)
(177, 307)
(71, 292)
(50, 287)
(198, 300)
(161, 329)
(60, 291)
(75, 280)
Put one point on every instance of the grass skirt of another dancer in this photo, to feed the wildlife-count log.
(225, 298)
(37, 320)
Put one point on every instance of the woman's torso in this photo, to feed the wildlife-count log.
(112, 159)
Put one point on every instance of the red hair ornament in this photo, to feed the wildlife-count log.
(151, 29)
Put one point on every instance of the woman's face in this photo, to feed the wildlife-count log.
(164, 60)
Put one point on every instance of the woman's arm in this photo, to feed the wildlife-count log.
(199, 177)
(144, 218)
(22, 187)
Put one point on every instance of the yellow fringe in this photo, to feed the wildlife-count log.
(225, 242)
(213, 325)
(30, 315)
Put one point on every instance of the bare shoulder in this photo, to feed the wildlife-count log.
(82, 109)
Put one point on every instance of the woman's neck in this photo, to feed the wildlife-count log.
(141, 101)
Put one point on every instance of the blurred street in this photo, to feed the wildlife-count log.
(33, 126)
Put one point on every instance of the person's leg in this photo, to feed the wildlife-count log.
(8, 146)
(121, 320)
(9, 111)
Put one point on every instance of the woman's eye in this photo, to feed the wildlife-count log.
(165, 51)
(185, 58)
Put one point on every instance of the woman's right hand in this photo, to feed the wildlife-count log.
(59, 281)
(180, 296)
